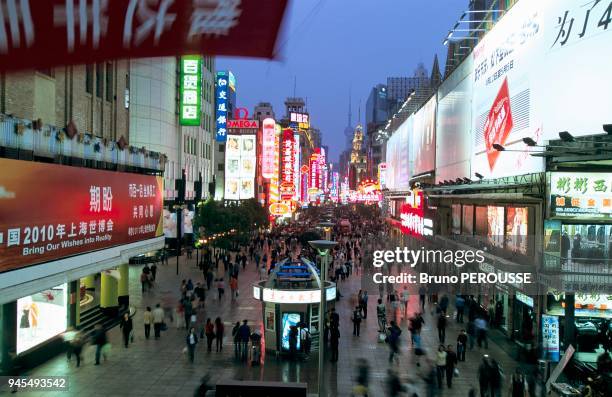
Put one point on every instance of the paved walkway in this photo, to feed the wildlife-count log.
(159, 368)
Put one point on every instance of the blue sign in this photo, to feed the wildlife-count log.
(550, 337)
(221, 98)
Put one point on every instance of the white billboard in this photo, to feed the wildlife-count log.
(542, 69)
(397, 159)
(423, 140)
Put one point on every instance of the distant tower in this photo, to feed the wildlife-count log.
(349, 130)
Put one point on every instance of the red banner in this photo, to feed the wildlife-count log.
(48, 212)
(47, 33)
(499, 123)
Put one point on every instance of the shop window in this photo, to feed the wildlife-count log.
(41, 316)
(495, 225)
(89, 79)
(586, 245)
(481, 221)
(456, 219)
(517, 229)
(468, 220)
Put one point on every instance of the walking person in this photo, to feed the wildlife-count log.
(99, 340)
(460, 305)
(364, 304)
(481, 332)
(442, 327)
(236, 339)
(394, 384)
(234, 287)
(451, 362)
(76, 347)
(209, 331)
(220, 288)
(219, 331)
(126, 327)
(153, 271)
(440, 364)
(334, 339)
(422, 298)
(462, 339)
(356, 320)
(192, 341)
(158, 319)
(393, 340)
(305, 339)
(381, 314)
(293, 340)
(245, 333)
(147, 319)
(405, 298)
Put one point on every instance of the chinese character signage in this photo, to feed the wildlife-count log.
(43, 34)
(550, 337)
(382, 175)
(190, 90)
(300, 120)
(269, 148)
(296, 166)
(313, 184)
(581, 194)
(516, 71)
(72, 211)
(287, 165)
(221, 104)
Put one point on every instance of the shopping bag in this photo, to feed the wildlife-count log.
(185, 350)
(106, 349)
(382, 337)
(456, 371)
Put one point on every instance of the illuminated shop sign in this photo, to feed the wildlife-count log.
(268, 148)
(72, 210)
(296, 166)
(221, 103)
(581, 194)
(294, 296)
(382, 175)
(241, 120)
(190, 90)
(287, 165)
(301, 119)
(412, 216)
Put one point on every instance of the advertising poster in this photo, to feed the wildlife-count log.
(188, 221)
(52, 211)
(517, 69)
(423, 145)
(169, 224)
(550, 337)
(495, 222)
(269, 148)
(517, 229)
(232, 147)
(240, 165)
(289, 320)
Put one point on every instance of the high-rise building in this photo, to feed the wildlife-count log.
(377, 106)
(154, 121)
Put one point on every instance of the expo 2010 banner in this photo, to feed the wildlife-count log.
(48, 212)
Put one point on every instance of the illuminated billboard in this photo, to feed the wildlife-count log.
(190, 90)
(221, 106)
(423, 140)
(581, 195)
(287, 185)
(269, 148)
(240, 162)
(516, 73)
(296, 166)
(72, 210)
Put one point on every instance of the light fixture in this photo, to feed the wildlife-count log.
(467, 180)
(479, 176)
(566, 136)
(498, 147)
(459, 180)
(529, 142)
(608, 128)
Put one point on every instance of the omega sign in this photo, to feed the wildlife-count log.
(241, 120)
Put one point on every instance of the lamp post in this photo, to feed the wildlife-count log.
(323, 247)
(327, 227)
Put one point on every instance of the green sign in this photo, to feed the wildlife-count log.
(190, 90)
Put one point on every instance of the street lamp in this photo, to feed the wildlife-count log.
(323, 247)
(327, 226)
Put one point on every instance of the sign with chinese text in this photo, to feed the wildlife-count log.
(382, 175)
(550, 337)
(313, 184)
(221, 105)
(300, 119)
(297, 157)
(190, 90)
(581, 194)
(527, 53)
(412, 216)
(72, 210)
(287, 165)
(43, 34)
(297, 296)
(268, 148)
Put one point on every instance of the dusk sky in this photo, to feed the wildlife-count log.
(336, 44)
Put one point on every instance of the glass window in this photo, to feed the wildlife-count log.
(481, 221)
(468, 220)
(89, 79)
(586, 244)
(495, 229)
(517, 226)
(41, 316)
(456, 215)
(109, 82)
(99, 80)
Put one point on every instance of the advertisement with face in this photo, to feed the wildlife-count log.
(72, 210)
(169, 224)
(423, 145)
(517, 69)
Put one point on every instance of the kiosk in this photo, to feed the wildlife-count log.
(291, 297)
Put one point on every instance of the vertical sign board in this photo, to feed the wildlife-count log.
(550, 337)
(268, 148)
(296, 166)
(287, 167)
(190, 90)
(221, 99)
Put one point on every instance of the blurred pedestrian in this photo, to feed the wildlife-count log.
(192, 341)
(440, 364)
(126, 327)
(334, 339)
(209, 332)
(236, 339)
(451, 362)
(158, 320)
(219, 331)
(461, 345)
(99, 340)
(393, 339)
(245, 333)
(356, 318)
(394, 385)
(442, 327)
